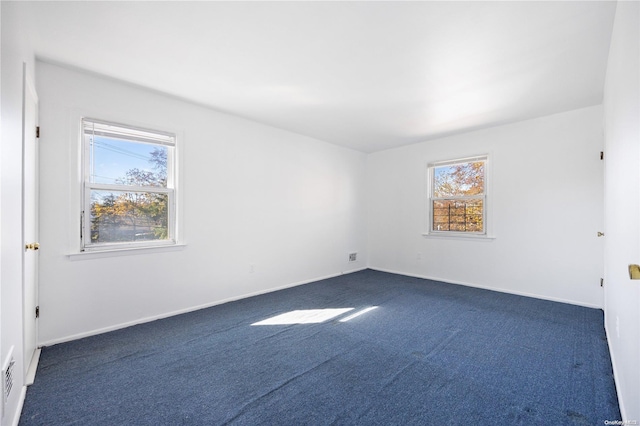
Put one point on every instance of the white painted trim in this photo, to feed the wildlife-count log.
(187, 310)
(623, 411)
(16, 417)
(458, 236)
(501, 290)
(132, 133)
(128, 251)
(486, 205)
(77, 175)
(33, 368)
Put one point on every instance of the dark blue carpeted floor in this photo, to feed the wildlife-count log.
(431, 353)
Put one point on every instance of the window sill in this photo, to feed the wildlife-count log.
(459, 236)
(129, 251)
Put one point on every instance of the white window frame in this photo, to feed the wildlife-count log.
(137, 134)
(484, 196)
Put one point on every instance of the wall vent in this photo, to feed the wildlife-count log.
(353, 257)
(7, 378)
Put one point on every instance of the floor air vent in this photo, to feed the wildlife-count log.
(7, 377)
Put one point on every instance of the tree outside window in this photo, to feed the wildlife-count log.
(458, 197)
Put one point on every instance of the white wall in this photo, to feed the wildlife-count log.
(16, 50)
(622, 205)
(290, 205)
(545, 203)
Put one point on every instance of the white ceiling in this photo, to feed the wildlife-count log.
(365, 75)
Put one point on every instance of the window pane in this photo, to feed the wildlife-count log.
(459, 179)
(123, 162)
(118, 216)
(458, 215)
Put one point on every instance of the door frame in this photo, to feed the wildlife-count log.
(30, 359)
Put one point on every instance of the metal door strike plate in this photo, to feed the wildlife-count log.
(634, 272)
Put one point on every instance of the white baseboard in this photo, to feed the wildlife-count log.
(623, 411)
(190, 309)
(501, 290)
(16, 417)
(33, 367)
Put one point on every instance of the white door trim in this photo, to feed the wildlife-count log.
(29, 279)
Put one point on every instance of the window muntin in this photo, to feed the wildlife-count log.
(129, 192)
(457, 201)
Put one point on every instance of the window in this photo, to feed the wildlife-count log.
(457, 196)
(128, 187)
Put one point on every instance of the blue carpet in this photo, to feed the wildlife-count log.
(430, 354)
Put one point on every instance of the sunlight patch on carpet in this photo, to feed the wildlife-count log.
(304, 316)
(357, 314)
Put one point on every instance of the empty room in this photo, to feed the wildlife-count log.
(320, 213)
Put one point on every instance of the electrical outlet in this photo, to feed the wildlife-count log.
(252, 268)
(353, 257)
(419, 257)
